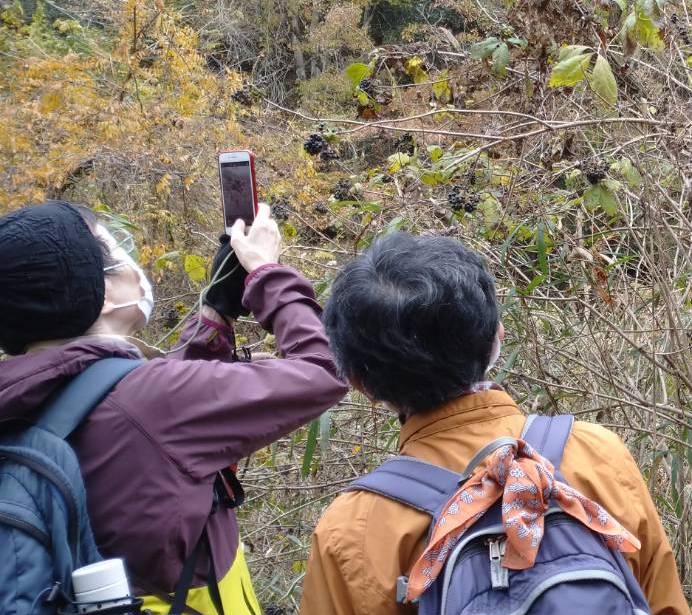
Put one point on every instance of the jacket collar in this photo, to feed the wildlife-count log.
(464, 410)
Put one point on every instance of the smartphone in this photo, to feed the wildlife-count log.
(238, 187)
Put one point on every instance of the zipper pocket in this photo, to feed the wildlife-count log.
(27, 528)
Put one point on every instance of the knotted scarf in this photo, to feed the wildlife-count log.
(525, 480)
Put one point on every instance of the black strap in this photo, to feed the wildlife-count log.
(185, 580)
(212, 582)
(227, 490)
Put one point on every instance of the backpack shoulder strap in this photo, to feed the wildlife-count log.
(419, 484)
(548, 435)
(74, 402)
(415, 483)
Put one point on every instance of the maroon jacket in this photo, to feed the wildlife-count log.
(150, 451)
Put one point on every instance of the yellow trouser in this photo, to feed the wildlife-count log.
(237, 595)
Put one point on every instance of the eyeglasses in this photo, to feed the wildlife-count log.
(124, 240)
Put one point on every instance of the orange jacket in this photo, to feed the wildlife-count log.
(364, 541)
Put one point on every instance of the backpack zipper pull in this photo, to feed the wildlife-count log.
(499, 575)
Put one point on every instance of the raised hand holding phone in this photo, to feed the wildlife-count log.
(261, 245)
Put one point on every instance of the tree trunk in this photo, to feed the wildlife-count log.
(297, 50)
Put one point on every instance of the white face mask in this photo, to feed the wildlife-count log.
(146, 303)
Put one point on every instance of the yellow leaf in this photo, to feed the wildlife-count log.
(163, 185)
(50, 102)
(195, 267)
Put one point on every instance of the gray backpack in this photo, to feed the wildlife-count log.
(44, 526)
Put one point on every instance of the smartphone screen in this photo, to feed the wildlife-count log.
(236, 189)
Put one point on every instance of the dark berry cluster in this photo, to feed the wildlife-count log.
(459, 199)
(342, 190)
(281, 209)
(595, 171)
(405, 143)
(681, 29)
(369, 86)
(314, 144)
(321, 208)
(242, 97)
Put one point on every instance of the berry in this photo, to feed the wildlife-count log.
(458, 200)
(405, 143)
(369, 86)
(315, 144)
(321, 208)
(595, 171)
(242, 97)
(281, 209)
(342, 190)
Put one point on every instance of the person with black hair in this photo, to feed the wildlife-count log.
(413, 323)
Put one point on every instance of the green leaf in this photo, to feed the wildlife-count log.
(540, 245)
(569, 51)
(325, 429)
(484, 49)
(398, 161)
(518, 42)
(569, 72)
(362, 97)
(432, 178)
(490, 209)
(537, 280)
(310, 446)
(195, 267)
(357, 72)
(628, 171)
(396, 224)
(501, 60)
(164, 259)
(603, 82)
(640, 26)
(289, 230)
(599, 196)
(506, 366)
(435, 152)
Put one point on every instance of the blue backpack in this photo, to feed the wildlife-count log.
(44, 526)
(574, 573)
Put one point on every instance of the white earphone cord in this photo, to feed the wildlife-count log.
(198, 304)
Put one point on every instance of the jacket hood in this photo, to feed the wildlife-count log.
(28, 380)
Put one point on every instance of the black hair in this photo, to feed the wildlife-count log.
(413, 320)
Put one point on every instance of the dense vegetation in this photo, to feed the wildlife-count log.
(555, 137)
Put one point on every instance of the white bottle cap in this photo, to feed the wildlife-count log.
(103, 581)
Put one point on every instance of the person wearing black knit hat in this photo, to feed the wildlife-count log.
(152, 450)
(51, 269)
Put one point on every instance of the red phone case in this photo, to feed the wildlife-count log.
(252, 173)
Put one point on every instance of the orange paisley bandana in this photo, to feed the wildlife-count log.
(525, 481)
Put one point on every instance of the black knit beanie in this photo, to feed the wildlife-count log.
(51, 275)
